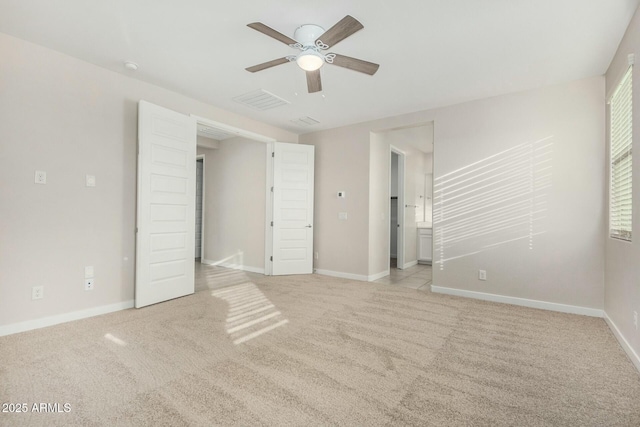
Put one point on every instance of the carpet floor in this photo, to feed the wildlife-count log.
(315, 350)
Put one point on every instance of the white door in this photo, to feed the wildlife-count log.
(166, 205)
(292, 209)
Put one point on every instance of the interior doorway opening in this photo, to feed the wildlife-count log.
(396, 209)
(199, 240)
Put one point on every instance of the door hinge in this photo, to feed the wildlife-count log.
(272, 223)
(271, 258)
(272, 189)
(273, 154)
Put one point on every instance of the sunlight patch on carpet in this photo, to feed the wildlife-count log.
(250, 313)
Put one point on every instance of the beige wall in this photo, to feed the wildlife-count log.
(622, 262)
(565, 264)
(379, 196)
(234, 214)
(70, 118)
(341, 164)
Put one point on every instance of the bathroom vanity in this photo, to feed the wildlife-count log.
(425, 243)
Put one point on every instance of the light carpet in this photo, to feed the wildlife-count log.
(315, 350)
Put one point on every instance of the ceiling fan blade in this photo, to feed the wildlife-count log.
(340, 31)
(314, 83)
(259, 26)
(266, 65)
(355, 64)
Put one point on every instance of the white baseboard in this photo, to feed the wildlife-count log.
(377, 276)
(63, 318)
(234, 266)
(410, 264)
(635, 359)
(544, 305)
(342, 275)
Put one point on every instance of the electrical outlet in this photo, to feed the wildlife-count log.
(37, 292)
(482, 275)
(41, 177)
(88, 284)
(90, 180)
(315, 255)
(342, 215)
(635, 319)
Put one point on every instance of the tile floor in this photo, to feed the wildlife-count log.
(213, 277)
(416, 277)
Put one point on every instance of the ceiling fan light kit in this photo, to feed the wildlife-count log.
(310, 60)
(311, 39)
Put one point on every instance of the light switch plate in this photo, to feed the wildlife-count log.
(91, 181)
(88, 272)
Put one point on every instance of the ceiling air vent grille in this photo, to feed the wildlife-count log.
(214, 133)
(305, 121)
(261, 100)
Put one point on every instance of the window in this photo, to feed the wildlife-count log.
(621, 107)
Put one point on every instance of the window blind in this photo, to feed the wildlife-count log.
(620, 197)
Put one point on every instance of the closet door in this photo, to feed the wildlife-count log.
(166, 205)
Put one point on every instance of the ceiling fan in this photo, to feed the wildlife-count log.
(311, 40)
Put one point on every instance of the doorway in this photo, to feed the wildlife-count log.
(396, 209)
(199, 241)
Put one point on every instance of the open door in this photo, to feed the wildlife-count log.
(165, 241)
(293, 169)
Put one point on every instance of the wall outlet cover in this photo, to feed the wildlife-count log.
(40, 177)
(88, 284)
(91, 180)
(37, 292)
(482, 275)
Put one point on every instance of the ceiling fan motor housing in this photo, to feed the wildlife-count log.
(307, 34)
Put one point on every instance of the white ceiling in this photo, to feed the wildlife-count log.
(431, 52)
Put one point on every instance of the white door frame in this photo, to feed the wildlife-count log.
(268, 228)
(204, 163)
(400, 249)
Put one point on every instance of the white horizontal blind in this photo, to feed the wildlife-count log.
(620, 213)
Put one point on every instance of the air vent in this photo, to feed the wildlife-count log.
(213, 133)
(305, 121)
(261, 100)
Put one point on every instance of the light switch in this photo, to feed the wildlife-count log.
(88, 272)
(91, 181)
